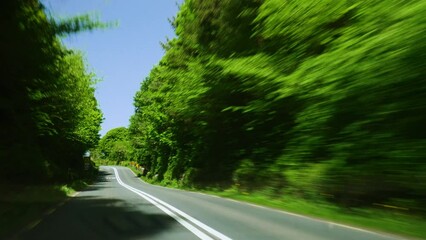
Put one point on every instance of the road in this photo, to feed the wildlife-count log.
(121, 206)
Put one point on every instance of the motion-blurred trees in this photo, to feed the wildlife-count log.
(304, 97)
(49, 114)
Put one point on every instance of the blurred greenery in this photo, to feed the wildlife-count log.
(320, 100)
(49, 114)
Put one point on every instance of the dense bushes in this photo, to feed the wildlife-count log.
(114, 146)
(313, 98)
(48, 110)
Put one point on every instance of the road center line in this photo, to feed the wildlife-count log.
(174, 213)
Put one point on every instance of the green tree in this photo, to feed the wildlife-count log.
(295, 97)
(49, 114)
(115, 145)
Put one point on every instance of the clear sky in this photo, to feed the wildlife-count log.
(123, 56)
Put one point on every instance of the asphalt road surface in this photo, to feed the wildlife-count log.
(121, 206)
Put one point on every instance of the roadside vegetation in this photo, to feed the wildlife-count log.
(312, 106)
(49, 113)
(384, 219)
(24, 205)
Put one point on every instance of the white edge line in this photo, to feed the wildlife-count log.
(150, 199)
(49, 211)
(383, 234)
(285, 212)
(183, 214)
(193, 220)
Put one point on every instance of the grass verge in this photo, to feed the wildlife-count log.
(22, 204)
(386, 221)
(378, 220)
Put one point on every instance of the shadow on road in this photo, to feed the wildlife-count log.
(101, 211)
(103, 177)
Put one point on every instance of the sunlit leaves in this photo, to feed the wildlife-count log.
(302, 97)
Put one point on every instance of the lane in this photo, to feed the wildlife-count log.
(184, 219)
(107, 210)
(121, 206)
(238, 220)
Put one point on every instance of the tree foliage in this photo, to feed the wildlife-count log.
(114, 146)
(49, 114)
(302, 97)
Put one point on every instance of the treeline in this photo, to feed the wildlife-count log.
(49, 114)
(114, 147)
(310, 98)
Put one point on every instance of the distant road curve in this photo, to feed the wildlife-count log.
(121, 206)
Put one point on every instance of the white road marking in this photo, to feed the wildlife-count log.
(74, 195)
(175, 213)
(375, 232)
(33, 224)
(50, 211)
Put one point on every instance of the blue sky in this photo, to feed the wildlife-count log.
(123, 56)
